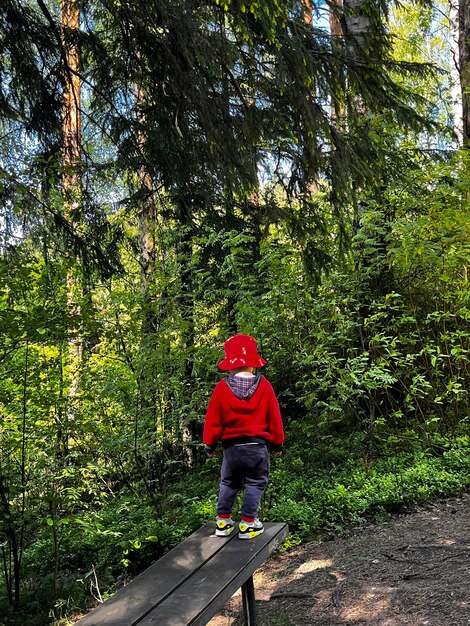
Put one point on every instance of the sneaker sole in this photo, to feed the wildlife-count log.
(251, 535)
(224, 533)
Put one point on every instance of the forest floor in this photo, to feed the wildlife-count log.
(413, 569)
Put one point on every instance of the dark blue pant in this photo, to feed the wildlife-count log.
(244, 466)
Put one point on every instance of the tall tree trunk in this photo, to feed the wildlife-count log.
(71, 180)
(459, 15)
(71, 117)
(336, 31)
(367, 267)
(464, 67)
(189, 429)
(12, 519)
(151, 410)
(11, 547)
(307, 10)
(150, 320)
(357, 22)
(374, 272)
(231, 308)
(334, 18)
(147, 218)
(456, 86)
(334, 15)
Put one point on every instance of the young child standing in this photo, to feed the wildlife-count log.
(243, 414)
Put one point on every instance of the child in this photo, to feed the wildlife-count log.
(243, 414)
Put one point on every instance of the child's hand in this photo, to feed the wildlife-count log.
(278, 453)
(209, 450)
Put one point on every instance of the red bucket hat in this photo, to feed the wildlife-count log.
(241, 351)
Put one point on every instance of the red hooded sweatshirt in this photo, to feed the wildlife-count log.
(235, 420)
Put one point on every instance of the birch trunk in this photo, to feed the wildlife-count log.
(456, 88)
(357, 23)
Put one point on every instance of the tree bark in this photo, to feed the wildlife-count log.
(10, 548)
(71, 117)
(190, 428)
(456, 86)
(373, 268)
(308, 12)
(336, 29)
(336, 32)
(464, 67)
(357, 23)
(147, 216)
(150, 322)
(71, 177)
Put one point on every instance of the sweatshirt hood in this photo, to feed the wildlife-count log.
(243, 388)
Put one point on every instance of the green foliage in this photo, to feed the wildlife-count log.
(223, 196)
(354, 489)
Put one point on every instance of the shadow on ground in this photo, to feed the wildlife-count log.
(411, 570)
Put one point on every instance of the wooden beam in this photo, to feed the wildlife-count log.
(209, 589)
(191, 583)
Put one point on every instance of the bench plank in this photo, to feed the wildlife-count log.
(197, 599)
(131, 603)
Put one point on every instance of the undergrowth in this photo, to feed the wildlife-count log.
(315, 489)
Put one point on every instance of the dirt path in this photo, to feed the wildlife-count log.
(412, 570)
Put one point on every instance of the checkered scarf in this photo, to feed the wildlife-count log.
(242, 386)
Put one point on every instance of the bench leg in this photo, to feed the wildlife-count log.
(248, 599)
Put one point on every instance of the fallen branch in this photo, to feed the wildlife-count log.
(412, 575)
(335, 595)
(396, 558)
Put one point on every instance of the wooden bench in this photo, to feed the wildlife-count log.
(192, 582)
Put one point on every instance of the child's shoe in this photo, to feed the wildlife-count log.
(224, 526)
(248, 530)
